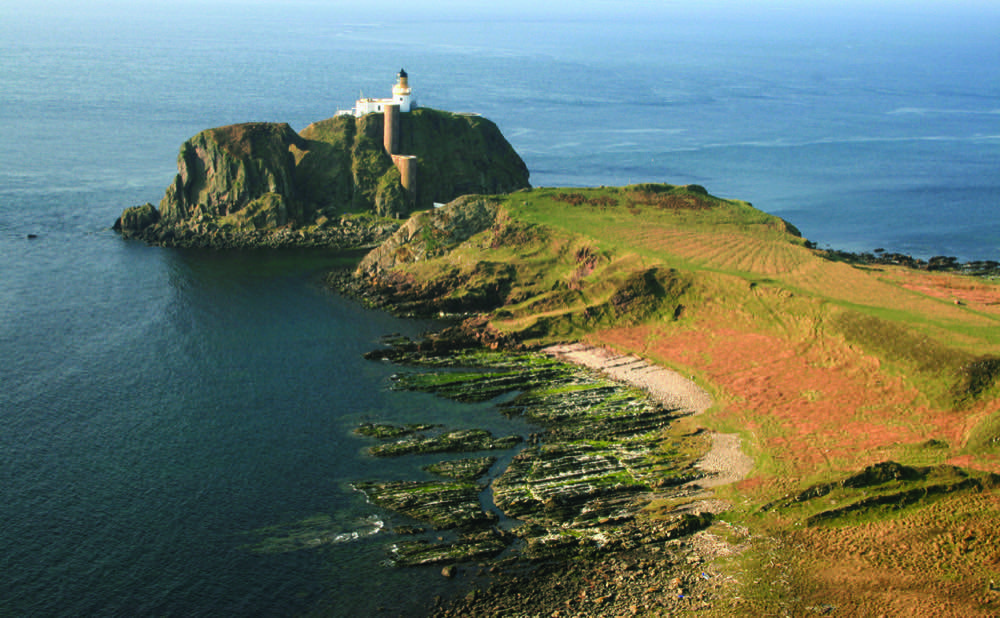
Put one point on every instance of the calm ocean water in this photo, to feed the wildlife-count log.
(174, 423)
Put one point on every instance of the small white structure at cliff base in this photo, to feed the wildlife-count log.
(401, 96)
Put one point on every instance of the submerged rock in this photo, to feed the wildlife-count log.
(386, 431)
(460, 441)
(468, 547)
(442, 504)
(463, 469)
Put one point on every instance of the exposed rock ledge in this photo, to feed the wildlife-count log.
(724, 464)
(347, 232)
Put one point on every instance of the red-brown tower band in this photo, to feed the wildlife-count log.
(390, 136)
(407, 166)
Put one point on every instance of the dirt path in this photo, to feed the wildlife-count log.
(725, 462)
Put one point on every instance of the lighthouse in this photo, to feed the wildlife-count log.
(400, 96)
(401, 91)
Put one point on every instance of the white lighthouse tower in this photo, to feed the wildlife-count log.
(401, 91)
(400, 96)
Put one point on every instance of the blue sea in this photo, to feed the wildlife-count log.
(175, 425)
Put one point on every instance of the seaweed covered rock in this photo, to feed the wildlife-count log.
(473, 545)
(442, 504)
(385, 431)
(459, 441)
(565, 482)
(470, 469)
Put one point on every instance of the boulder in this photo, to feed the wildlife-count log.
(136, 219)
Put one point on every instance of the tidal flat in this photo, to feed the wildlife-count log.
(603, 450)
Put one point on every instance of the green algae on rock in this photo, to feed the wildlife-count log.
(442, 504)
(582, 482)
(458, 441)
(385, 431)
(469, 546)
(471, 469)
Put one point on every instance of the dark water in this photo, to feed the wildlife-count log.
(175, 425)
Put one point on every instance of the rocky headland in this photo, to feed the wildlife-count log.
(333, 184)
(658, 510)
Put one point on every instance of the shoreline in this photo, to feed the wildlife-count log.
(668, 387)
(666, 572)
(724, 463)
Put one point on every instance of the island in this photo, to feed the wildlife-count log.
(730, 420)
(341, 182)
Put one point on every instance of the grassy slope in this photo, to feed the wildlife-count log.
(754, 292)
(821, 366)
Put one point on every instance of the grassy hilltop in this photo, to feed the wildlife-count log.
(823, 367)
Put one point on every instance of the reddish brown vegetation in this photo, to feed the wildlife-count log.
(587, 259)
(667, 201)
(979, 296)
(814, 406)
(578, 199)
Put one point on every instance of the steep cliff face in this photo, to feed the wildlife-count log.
(459, 155)
(227, 170)
(240, 185)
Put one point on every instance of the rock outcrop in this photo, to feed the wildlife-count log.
(242, 171)
(603, 453)
(442, 504)
(431, 233)
(137, 218)
(263, 184)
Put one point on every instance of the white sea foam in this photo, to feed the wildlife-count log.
(857, 139)
(923, 111)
